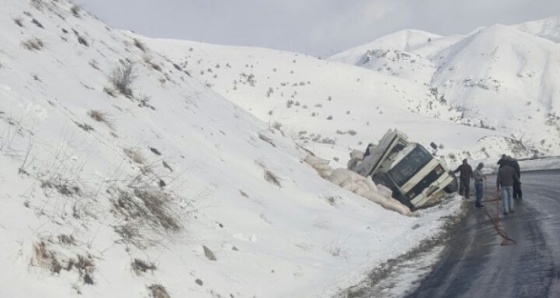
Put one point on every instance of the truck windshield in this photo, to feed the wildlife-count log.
(410, 165)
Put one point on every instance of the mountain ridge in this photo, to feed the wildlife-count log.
(498, 76)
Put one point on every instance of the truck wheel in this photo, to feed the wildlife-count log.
(453, 186)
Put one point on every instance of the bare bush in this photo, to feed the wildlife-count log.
(166, 165)
(84, 126)
(85, 267)
(144, 210)
(93, 64)
(123, 77)
(144, 101)
(33, 44)
(272, 178)
(75, 9)
(101, 117)
(37, 23)
(109, 91)
(130, 232)
(157, 203)
(18, 22)
(64, 186)
(139, 266)
(97, 115)
(158, 291)
(83, 41)
(331, 200)
(266, 139)
(139, 45)
(45, 256)
(66, 239)
(148, 60)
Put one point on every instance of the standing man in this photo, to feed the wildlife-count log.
(517, 194)
(478, 184)
(506, 178)
(465, 176)
(502, 161)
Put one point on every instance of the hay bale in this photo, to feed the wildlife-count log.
(375, 197)
(385, 191)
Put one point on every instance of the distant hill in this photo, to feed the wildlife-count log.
(498, 77)
(331, 108)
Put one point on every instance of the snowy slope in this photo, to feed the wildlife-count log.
(405, 54)
(547, 28)
(172, 190)
(330, 108)
(499, 77)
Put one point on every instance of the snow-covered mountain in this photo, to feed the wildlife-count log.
(125, 174)
(547, 28)
(331, 108)
(504, 78)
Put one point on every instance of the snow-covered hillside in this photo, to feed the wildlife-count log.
(332, 108)
(547, 28)
(504, 78)
(123, 174)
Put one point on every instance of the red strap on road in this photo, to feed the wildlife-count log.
(496, 221)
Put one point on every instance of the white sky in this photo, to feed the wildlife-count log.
(317, 27)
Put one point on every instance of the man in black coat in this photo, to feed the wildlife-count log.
(517, 193)
(502, 161)
(465, 177)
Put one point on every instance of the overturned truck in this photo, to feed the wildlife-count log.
(415, 176)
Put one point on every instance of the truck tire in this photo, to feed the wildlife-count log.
(453, 186)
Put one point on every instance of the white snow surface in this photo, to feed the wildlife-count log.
(195, 185)
(503, 78)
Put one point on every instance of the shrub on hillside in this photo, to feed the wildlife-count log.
(123, 77)
(33, 44)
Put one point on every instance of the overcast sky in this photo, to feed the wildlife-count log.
(316, 27)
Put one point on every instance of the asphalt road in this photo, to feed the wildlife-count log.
(476, 264)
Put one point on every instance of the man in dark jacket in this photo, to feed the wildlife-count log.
(517, 194)
(465, 176)
(505, 180)
(502, 161)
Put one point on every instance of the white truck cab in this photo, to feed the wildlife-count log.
(415, 176)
